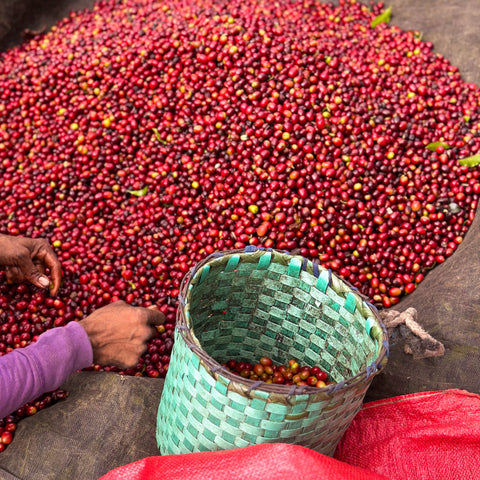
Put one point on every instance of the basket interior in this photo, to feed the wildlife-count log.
(249, 308)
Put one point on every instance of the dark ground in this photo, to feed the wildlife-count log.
(34, 15)
(447, 301)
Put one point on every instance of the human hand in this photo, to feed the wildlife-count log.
(25, 259)
(119, 332)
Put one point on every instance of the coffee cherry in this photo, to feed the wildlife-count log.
(231, 364)
(279, 374)
(31, 410)
(304, 374)
(6, 438)
(293, 366)
(136, 163)
(10, 427)
(266, 362)
(322, 376)
(268, 370)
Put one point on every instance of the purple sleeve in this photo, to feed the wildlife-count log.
(26, 373)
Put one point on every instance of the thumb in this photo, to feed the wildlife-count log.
(33, 275)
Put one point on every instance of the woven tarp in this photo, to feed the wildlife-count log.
(106, 421)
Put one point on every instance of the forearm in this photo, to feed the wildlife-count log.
(28, 372)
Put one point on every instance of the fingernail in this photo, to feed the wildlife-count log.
(44, 281)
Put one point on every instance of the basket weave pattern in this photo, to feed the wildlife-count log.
(254, 303)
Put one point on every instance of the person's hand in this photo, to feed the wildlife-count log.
(119, 333)
(25, 259)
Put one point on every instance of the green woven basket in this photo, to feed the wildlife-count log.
(245, 304)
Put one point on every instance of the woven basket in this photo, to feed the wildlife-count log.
(245, 304)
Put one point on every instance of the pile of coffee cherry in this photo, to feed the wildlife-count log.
(8, 425)
(291, 374)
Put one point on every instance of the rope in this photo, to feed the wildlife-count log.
(418, 342)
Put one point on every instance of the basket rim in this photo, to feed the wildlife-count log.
(245, 385)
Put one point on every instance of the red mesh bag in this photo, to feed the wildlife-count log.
(274, 461)
(421, 436)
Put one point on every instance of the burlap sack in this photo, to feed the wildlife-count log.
(107, 420)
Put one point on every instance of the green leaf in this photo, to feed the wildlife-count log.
(470, 161)
(418, 35)
(132, 285)
(433, 146)
(384, 17)
(159, 138)
(139, 193)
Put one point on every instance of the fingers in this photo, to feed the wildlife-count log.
(32, 274)
(39, 266)
(131, 358)
(27, 259)
(154, 316)
(50, 260)
(119, 333)
(14, 275)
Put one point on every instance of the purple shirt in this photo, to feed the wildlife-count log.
(26, 373)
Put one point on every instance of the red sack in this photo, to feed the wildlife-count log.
(423, 436)
(274, 461)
